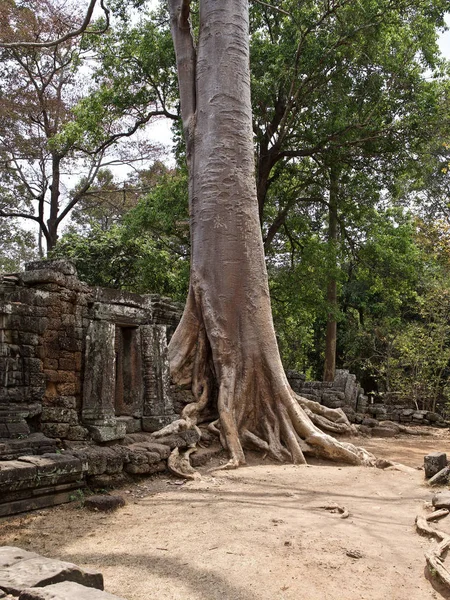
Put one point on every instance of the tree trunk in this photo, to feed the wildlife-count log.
(225, 346)
(55, 191)
(329, 371)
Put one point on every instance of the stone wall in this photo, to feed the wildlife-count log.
(346, 393)
(80, 363)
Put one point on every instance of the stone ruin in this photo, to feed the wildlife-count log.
(79, 367)
(84, 381)
(80, 363)
(364, 410)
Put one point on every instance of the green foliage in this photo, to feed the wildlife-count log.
(17, 246)
(146, 252)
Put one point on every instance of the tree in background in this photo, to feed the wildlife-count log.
(54, 123)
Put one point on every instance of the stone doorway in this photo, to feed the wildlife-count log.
(128, 368)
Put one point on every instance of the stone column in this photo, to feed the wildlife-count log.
(98, 411)
(158, 404)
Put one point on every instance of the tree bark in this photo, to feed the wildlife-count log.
(331, 333)
(55, 191)
(225, 347)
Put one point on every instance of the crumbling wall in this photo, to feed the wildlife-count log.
(64, 371)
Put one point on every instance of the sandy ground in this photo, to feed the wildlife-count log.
(254, 534)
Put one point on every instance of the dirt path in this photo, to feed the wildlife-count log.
(258, 533)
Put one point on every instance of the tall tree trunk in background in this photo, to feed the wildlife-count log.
(225, 347)
(331, 334)
(55, 192)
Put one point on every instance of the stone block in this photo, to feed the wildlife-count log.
(433, 463)
(63, 266)
(41, 571)
(384, 431)
(107, 433)
(441, 500)
(183, 439)
(153, 447)
(104, 502)
(66, 591)
(56, 414)
(66, 389)
(442, 477)
(55, 464)
(132, 424)
(10, 555)
(368, 422)
(55, 430)
(77, 433)
(13, 471)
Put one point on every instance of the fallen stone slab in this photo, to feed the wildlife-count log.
(66, 590)
(38, 571)
(10, 555)
(442, 477)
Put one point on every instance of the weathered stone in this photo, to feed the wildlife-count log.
(40, 571)
(66, 590)
(77, 432)
(13, 471)
(384, 431)
(368, 422)
(10, 555)
(433, 463)
(105, 481)
(54, 414)
(442, 477)
(104, 502)
(146, 469)
(433, 417)
(55, 430)
(441, 500)
(63, 266)
(161, 450)
(107, 433)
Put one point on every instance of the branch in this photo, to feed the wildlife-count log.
(185, 53)
(71, 34)
(284, 12)
(117, 136)
(19, 215)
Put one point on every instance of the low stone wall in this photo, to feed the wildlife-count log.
(35, 481)
(346, 393)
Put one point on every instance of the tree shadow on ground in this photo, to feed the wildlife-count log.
(205, 584)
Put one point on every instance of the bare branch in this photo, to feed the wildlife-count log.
(83, 29)
(20, 215)
(280, 10)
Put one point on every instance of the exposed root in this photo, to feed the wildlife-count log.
(335, 508)
(257, 408)
(327, 425)
(174, 427)
(179, 464)
(436, 554)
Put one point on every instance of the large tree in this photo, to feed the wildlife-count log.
(225, 347)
